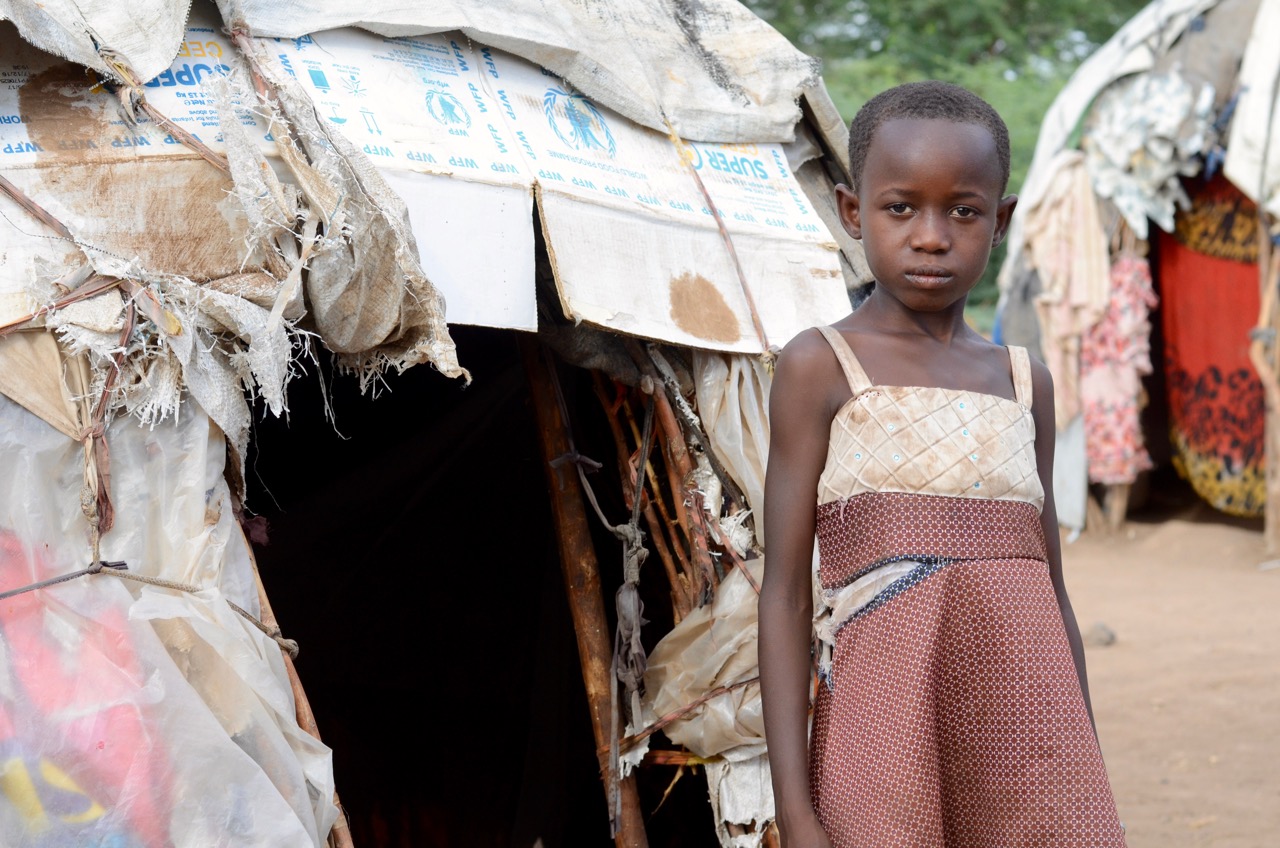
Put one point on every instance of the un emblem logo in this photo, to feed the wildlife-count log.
(577, 122)
(447, 109)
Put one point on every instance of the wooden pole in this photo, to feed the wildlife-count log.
(340, 833)
(1262, 352)
(680, 472)
(582, 582)
(1116, 505)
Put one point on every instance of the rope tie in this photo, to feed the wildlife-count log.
(94, 568)
(120, 569)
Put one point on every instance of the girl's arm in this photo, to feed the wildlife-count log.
(1046, 432)
(800, 412)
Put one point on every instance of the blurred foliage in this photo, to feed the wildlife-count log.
(1016, 54)
(934, 36)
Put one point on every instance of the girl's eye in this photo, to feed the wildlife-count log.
(899, 208)
(964, 212)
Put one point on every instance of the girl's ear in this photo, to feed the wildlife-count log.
(850, 211)
(1004, 214)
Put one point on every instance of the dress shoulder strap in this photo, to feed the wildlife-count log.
(859, 382)
(1020, 361)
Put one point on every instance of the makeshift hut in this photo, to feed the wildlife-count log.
(221, 219)
(1144, 237)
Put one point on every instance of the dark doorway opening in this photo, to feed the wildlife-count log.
(414, 559)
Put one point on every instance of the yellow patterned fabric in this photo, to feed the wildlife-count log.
(931, 441)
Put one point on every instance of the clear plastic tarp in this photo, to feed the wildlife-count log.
(134, 715)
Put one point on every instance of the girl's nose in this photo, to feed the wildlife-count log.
(930, 234)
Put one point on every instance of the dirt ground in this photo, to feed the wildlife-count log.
(1187, 698)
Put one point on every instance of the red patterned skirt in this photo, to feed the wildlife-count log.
(953, 713)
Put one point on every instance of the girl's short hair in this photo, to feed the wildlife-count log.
(928, 99)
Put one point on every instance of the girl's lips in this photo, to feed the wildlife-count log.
(928, 278)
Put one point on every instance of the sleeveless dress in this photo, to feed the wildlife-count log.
(949, 712)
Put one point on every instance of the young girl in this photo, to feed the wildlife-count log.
(952, 707)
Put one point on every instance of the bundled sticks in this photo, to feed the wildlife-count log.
(659, 482)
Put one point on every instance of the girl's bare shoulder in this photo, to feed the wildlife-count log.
(808, 374)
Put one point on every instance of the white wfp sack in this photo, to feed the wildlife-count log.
(712, 68)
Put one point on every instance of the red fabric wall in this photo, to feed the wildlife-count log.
(1209, 304)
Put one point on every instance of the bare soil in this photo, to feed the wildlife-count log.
(1187, 698)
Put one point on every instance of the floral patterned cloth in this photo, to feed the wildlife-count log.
(1114, 355)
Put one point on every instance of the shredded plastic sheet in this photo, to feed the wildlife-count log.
(143, 35)
(214, 312)
(1253, 154)
(733, 402)
(741, 791)
(1146, 133)
(136, 717)
(371, 302)
(714, 646)
(712, 68)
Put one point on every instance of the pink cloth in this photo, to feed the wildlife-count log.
(1115, 353)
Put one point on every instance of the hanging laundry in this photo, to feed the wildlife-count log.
(1066, 243)
(1114, 356)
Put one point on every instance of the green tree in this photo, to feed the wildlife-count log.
(935, 35)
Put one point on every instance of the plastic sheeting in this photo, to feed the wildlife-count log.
(142, 34)
(1253, 154)
(714, 646)
(710, 67)
(733, 402)
(134, 715)
(204, 260)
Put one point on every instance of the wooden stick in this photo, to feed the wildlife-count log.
(670, 525)
(662, 525)
(680, 470)
(183, 137)
(679, 597)
(340, 833)
(680, 475)
(674, 758)
(35, 210)
(680, 712)
(582, 584)
(1116, 505)
(731, 491)
(1262, 351)
(699, 578)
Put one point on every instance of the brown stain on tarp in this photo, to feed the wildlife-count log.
(700, 310)
(174, 215)
(172, 212)
(63, 118)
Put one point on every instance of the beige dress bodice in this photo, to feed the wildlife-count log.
(931, 441)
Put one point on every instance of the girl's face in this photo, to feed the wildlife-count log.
(928, 210)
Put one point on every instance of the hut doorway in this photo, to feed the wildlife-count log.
(412, 554)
